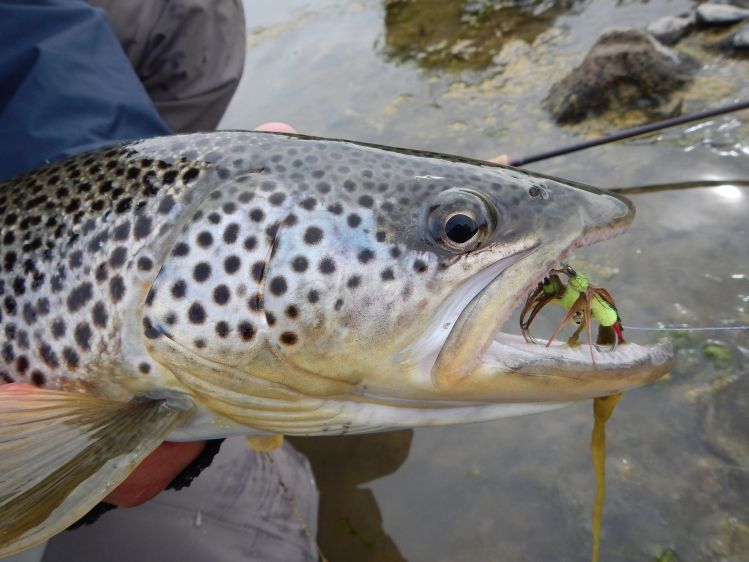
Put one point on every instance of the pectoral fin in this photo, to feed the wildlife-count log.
(61, 453)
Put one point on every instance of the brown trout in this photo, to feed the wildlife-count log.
(236, 283)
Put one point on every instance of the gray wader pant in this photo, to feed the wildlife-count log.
(189, 55)
(235, 511)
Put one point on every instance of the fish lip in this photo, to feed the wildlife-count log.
(625, 367)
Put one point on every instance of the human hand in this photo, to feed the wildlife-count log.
(503, 159)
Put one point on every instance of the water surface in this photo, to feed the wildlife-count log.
(522, 489)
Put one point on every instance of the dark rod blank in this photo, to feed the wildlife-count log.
(635, 131)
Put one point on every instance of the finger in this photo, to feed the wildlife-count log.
(276, 127)
(503, 159)
(155, 473)
(16, 387)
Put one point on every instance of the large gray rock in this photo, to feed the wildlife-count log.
(720, 14)
(670, 29)
(625, 69)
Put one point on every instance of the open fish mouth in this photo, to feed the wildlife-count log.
(507, 368)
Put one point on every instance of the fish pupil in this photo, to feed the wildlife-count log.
(461, 228)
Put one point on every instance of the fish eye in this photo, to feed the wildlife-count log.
(461, 228)
(460, 220)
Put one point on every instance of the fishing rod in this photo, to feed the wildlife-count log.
(633, 132)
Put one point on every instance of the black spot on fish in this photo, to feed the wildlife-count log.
(121, 231)
(249, 243)
(221, 294)
(313, 235)
(190, 174)
(148, 329)
(99, 315)
(231, 264)
(278, 285)
(299, 264)
(255, 303)
(169, 177)
(258, 268)
(309, 203)
(75, 260)
(181, 250)
(116, 288)
(29, 314)
(58, 328)
(123, 205)
(201, 272)
(166, 205)
(79, 296)
(145, 263)
(118, 256)
(222, 329)
(178, 289)
(82, 335)
(277, 198)
(246, 330)
(38, 378)
(8, 352)
(142, 227)
(327, 266)
(205, 239)
(196, 313)
(289, 338)
(48, 356)
(365, 255)
(70, 357)
(22, 364)
(230, 233)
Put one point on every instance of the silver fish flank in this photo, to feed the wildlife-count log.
(205, 285)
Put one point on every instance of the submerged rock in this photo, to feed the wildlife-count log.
(720, 14)
(670, 29)
(625, 69)
(726, 423)
(740, 40)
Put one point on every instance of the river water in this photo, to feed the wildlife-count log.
(409, 74)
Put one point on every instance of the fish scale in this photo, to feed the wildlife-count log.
(205, 285)
(70, 281)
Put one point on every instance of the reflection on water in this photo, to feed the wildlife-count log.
(351, 525)
(522, 489)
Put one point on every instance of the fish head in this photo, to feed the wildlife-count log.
(371, 277)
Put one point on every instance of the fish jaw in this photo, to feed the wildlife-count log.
(480, 362)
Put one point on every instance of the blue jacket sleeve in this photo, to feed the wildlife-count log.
(66, 85)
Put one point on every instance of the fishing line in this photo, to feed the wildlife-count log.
(686, 329)
(696, 184)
